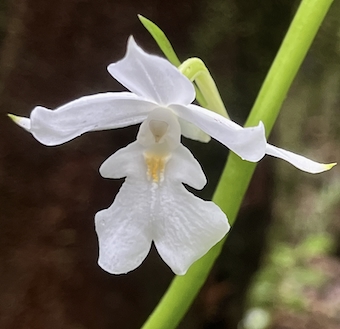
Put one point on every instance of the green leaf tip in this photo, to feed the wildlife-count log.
(161, 39)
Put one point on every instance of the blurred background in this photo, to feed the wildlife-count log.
(280, 267)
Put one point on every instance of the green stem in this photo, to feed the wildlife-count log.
(237, 173)
(293, 50)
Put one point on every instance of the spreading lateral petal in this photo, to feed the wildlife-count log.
(88, 113)
(249, 143)
(298, 161)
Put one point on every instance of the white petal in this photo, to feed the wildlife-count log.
(152, 77)
(191, 131)
(128, 161)
(184, 168)
(249, 143)
(298, 161)
(124, 229)
(88, 113)
(183, 226)
(186, 227)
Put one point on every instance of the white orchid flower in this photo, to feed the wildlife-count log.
(153, 205)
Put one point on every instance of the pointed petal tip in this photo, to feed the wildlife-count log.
(132, 45)
(131, 40)
(329, 166)
(318, 168)
(20, 121)
(13, 117)
(299, 161)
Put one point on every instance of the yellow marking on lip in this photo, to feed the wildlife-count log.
(155, 167)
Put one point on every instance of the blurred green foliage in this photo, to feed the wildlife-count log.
(287, 273)
(282, 282)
